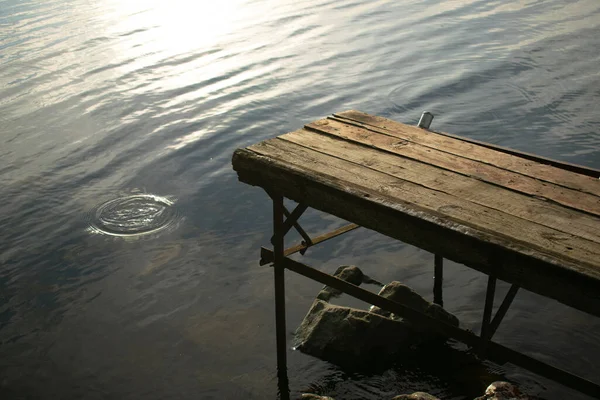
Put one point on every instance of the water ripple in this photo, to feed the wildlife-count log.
(134, 215)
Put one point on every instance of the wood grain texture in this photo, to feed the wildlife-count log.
(476, 191)
(511, 162)
(406, 146)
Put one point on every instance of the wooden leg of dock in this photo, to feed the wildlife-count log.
(438, 278)
(487, 314)
(279, 268)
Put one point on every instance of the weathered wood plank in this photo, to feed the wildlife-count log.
(487, 253)
(511, 162)
(476, 191)
(514, 231)
(407, 148)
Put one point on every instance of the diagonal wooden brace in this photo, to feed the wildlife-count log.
(266, 254)
(292, 221)
(508, 299)
(489, 325)
(307, 240)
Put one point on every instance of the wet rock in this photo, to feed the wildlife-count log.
(352, 337)
(404, 295)
(348, 336)
(496, 391)
(503, 391)
(416, 396)
(309, 396)
(348, 273)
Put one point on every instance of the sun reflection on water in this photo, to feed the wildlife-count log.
(177, 26)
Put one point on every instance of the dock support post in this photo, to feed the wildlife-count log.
(438, 278)
(279, 268)
(487, 314)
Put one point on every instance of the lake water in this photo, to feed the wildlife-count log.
(128, 249)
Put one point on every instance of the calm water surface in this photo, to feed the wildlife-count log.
(120, 117)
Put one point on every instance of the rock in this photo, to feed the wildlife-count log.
(349, 273)
(496, 391)
(503, 391)
(404, 295)
(309, 396)
(348, 336)
(416, 396)
(352, 337)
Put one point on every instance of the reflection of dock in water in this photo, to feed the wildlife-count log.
(526, 220)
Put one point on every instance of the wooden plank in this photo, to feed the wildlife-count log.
(563, 165)
(476, 191)
(558, 173)
(354, 116)
(487, 253)
(513, 231)
(407, 148)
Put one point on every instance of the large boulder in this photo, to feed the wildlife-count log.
(352, 337)
(348, 336)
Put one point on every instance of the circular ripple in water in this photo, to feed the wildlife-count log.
(134, 215)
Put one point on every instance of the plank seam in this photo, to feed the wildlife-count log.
(377, 129)
(439, 190)
(317, 130)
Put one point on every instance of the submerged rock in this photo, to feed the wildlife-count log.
(503, 391)
(309, 396)
(416, 396)
(496, 391)
(348, 336)
(352, 337)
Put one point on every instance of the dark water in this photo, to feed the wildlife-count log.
(146, 101)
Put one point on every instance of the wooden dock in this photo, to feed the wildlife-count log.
(529, 221)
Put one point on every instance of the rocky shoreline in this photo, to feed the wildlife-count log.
(496, 391)
(351, 337)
